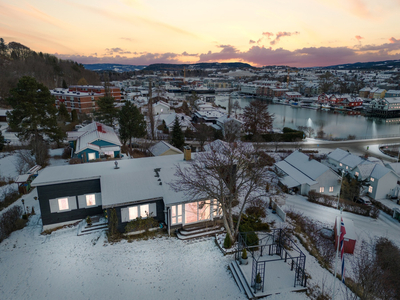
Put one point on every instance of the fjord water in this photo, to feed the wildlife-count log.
(334, 124)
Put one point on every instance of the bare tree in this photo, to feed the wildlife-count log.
(232, 129)
(256, 118)
(24, 161)
(309, 131)
(228, 173)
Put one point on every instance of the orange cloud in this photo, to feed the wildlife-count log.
(359, 37)
(282, 34)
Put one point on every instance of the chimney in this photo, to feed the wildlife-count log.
(187, 153)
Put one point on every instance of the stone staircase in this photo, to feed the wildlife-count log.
(241, 280)
(200, 231)
(98, 224)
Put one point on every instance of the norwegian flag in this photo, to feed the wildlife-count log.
(342, 233)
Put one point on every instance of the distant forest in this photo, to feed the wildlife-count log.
(17, 60)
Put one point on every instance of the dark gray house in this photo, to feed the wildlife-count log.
(138, 187)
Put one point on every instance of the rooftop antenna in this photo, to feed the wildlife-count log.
(116, 165)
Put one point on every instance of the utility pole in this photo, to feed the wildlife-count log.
(150, 110)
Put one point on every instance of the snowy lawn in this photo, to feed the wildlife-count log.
(65, 266)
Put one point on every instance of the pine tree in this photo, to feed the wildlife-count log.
(64, 84)
(74, 116)
(177, 138)
(63, 114)
(34, 114)
(131, 123)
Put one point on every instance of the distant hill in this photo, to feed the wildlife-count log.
(17, 60)
(372, 65)
(198, 66)
(113, 67)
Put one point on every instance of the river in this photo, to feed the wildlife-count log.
(334, 124)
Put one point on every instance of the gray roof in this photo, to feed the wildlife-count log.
(338, 154)
(311, 168)
(162, 147)
(380, 171)
(134, 180)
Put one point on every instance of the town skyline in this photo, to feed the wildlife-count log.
(307, 34)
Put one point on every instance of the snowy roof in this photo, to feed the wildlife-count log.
(395, 167)
(93, 132)
(352, 160)
(310, 168)
(338, 154)
(140, 175)
(162, 147)
(365, 170)
(380, 171)
(294, 175)
(22, 178)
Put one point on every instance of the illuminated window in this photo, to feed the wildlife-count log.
(372, 179)
(91, 156)
(90, 200)
(144, 210)
(133, 212)
(347, 167)
(63, 204)
(341, 164)
(370, 189)
(176, 214)
(357, 174)
(331, 189)
(321, 189)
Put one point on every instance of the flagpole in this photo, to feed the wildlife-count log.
(337, 252)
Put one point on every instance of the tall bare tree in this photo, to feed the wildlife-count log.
(256, 118)
(228, 173)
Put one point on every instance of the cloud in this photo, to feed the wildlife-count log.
(360, 9)
(305, 57)
(258, 55)
(359, 37)
(111, 51)
(251, 42)
(127, 39)
(282, 34)
(188, 54)
(268, 34)
(143, 59)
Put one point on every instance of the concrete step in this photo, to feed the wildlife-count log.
(236, 277)
(248, 291)
(199, 230)
(197, 235)
(93, 228)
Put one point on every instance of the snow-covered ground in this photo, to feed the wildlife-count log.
(66, 266)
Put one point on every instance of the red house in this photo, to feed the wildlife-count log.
(349, 237)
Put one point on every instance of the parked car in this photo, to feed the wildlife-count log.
(363, 200)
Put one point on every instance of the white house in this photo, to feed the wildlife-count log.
(302, 174)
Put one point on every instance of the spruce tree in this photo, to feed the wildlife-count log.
(107, 112)
(177, 137)
(131, 123)
(34, 114)
(74, 116)
(63, 114)
(64, 84)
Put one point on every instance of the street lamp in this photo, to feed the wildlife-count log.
(341, 181)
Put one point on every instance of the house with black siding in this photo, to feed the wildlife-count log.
(136, 187)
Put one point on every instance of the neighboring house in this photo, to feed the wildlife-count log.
(95, 141)
(382, 182)
(302, 174)
(3, 114)
(229, 125)
(169, 119)
(137, 187)
(164, 148)
(379, 180)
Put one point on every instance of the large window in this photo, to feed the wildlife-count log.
(63, 204)
(197, 211)
(90, 200)
(321, 189)
(331, 189)
(176, 214)
(91, 156)
(372, 179)
(370, 189)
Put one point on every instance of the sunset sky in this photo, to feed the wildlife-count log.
(299, 33)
